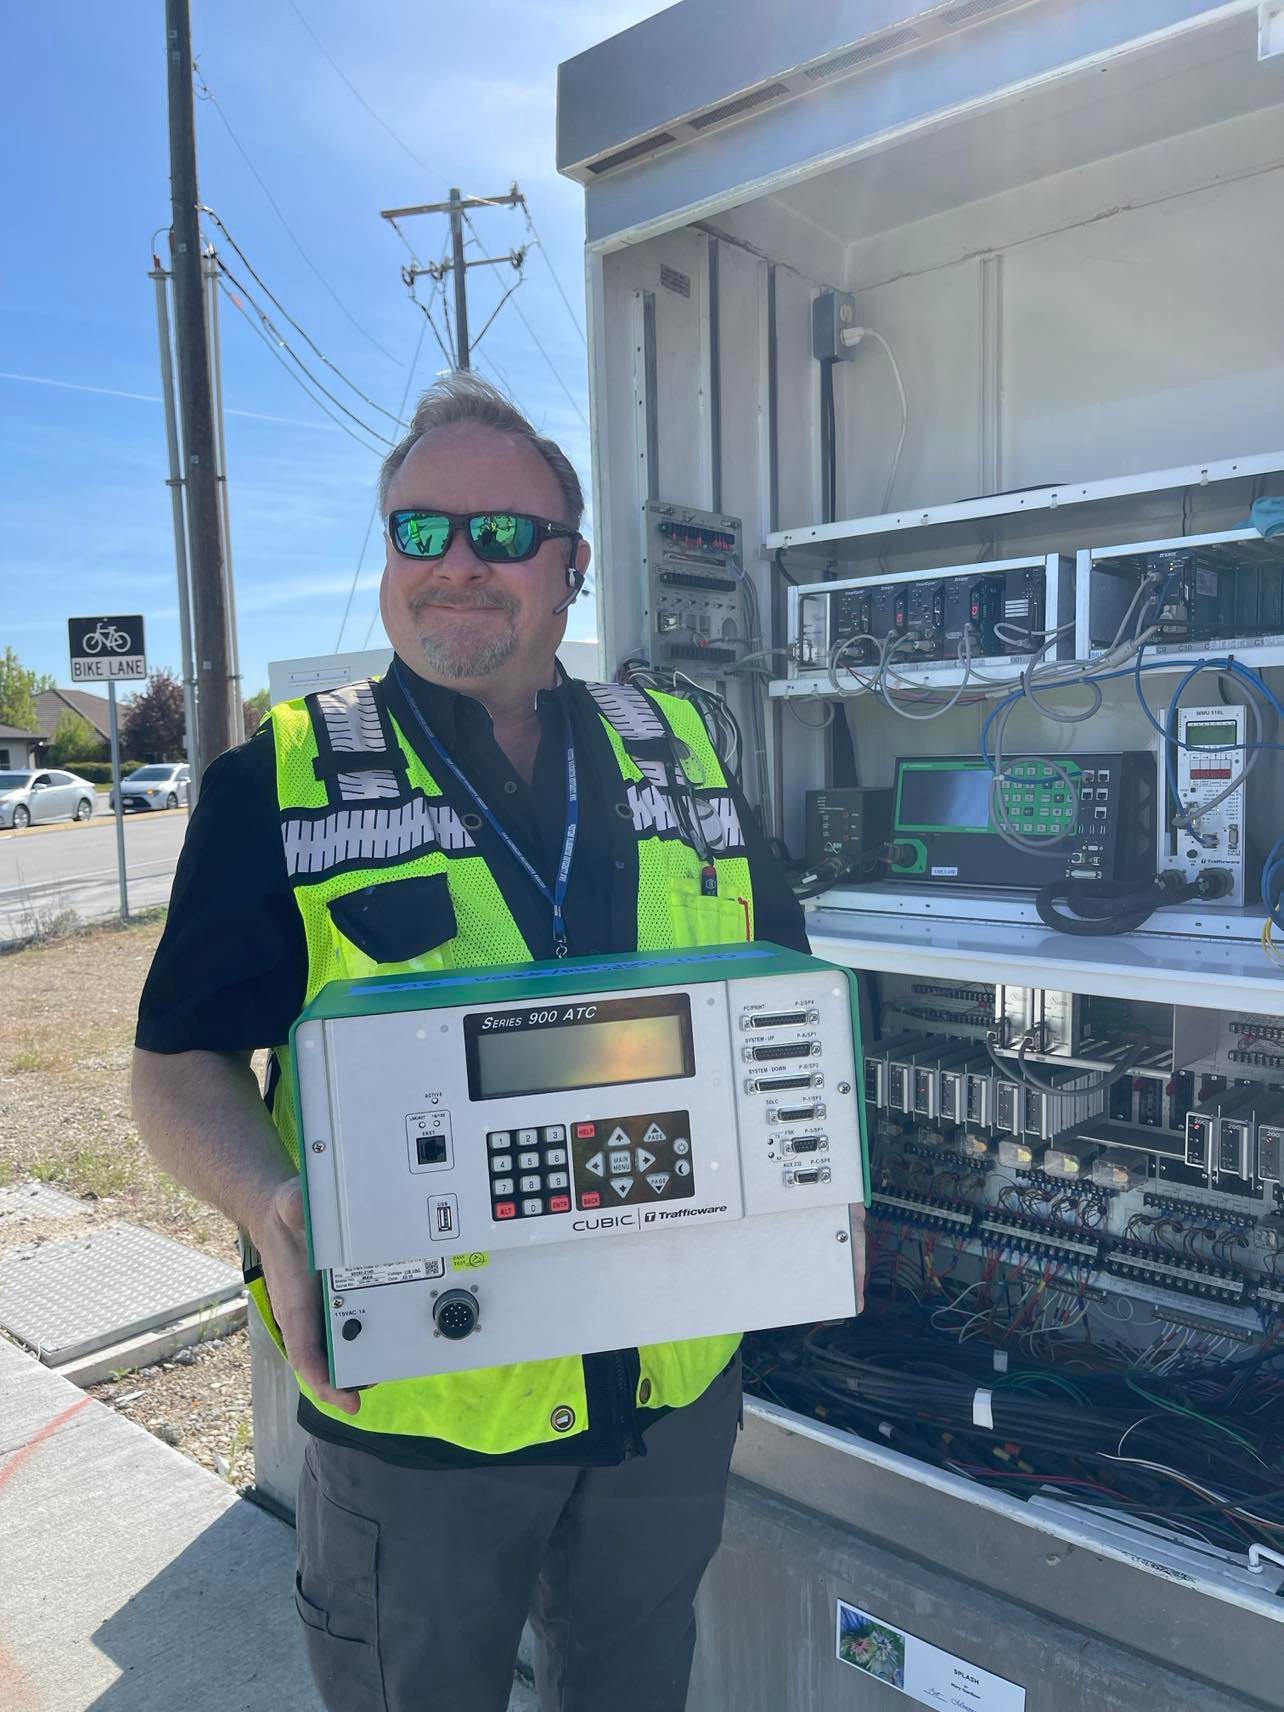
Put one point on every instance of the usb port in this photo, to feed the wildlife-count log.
(443, 1214)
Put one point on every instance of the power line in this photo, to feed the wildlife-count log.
(374, 509)
(298, 381)
(207, 94)
(548, 260)
(539, 346)
(354, 91)
(302, 332)
(473, 344)
(553, 369)
(294, 356)
(441, 343)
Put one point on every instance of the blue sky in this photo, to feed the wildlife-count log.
(84, 513)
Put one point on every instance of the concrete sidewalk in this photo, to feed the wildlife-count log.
(134, 1581)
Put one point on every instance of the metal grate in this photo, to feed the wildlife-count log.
(66, 1299)
(862, 55)
(20, 1203)
(634, 151)
(742, 104)
(967, 10)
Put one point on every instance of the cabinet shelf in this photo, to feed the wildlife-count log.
(827, 540)
(1214, 955)
(945, 675)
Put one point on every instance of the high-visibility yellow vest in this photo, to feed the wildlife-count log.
(359, 808)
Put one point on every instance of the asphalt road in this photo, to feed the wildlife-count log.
(48, 870)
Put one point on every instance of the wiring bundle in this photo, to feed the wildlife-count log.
(1198, 1449)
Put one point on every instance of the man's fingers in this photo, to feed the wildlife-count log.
(294, 1291)
(287, 1204)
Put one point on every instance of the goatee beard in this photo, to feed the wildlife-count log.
(452, 653)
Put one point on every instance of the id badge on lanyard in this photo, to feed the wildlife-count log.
(554, 896)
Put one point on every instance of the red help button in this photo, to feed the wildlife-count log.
(585, 1131)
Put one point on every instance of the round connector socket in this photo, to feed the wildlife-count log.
(455, 1314)
(1215, 883)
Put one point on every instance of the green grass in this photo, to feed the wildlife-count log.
(84, 1171)
(32, 1058)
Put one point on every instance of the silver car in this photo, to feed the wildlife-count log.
(163, 785)
(51, 795)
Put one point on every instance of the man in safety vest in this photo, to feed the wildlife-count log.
(415, 822)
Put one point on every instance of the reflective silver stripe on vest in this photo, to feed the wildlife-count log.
(631, 713)
(353, 726)
(653, 814)
(372, 835)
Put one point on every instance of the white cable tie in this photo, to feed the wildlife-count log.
(983, 1409)
(1000, 1361)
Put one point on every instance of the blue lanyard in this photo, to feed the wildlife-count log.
(557, 896)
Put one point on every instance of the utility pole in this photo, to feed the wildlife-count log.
(204, 524)
(456, 208)
(175, 484)
(212, 270)
(461, 282)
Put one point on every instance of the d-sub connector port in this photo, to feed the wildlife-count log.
(781, 1019)
(808, 1143)
(797, 1114)
(807, 1174)
(787, 1049)
(781, 1084)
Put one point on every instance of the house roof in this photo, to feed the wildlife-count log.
(52, 704)
(13, 731)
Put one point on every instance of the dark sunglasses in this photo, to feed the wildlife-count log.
(497, 537)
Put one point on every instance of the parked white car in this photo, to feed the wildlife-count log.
(49, 795)
(160, 785)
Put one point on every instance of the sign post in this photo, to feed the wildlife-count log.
(110, 650)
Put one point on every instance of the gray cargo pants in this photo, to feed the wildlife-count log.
(413, 1584)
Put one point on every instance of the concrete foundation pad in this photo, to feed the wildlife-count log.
(134, 1580)
(160, 1344)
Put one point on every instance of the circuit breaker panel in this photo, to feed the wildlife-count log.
(652, 1148)
(694, 579)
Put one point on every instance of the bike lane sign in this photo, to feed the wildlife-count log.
(107, 650)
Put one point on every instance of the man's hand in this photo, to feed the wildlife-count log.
(279, 1236)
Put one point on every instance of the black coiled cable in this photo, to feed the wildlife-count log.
(1103, 907)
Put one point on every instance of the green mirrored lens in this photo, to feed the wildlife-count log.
(423, 533)
(502, 535)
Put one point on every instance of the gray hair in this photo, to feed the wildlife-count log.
(465, 399)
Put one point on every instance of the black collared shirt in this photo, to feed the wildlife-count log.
(230, 972)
